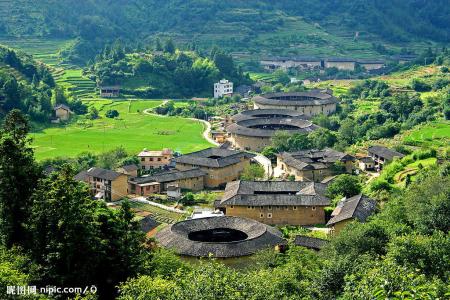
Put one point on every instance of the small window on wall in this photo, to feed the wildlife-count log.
(294, 208)
(248, 207)
(231, 206)
(269, 207)
(261, 216)
(269, 215)
(313, 208)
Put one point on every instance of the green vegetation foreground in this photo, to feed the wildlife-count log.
(400, 253)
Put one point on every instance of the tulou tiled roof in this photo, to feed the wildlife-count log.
(214, 157)
(169, 176)
(310, 242)
(274, 193)
(384, 152)
(148, 223)
(314, 159)
(265, 126)
(258, 237)
(267, 113)
(357, 207)
(310, 98)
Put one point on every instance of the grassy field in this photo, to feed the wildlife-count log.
(132, 130)
(434, 134)
(412, 169)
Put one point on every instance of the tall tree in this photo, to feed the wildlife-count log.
(18, 178)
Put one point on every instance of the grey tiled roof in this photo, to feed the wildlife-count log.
(384, 152)
(148, 223)
(313, 97)
(82, 176)
(310, 242)
(314, 159)
(103, 173)
(357, 207)
(267, 113)
(259, 237)
(213, 157)
(130, 168)
(274, 193)
(169, 176)
(244, 127)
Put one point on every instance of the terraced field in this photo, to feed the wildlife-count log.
(74, 81)
(132, 129)
(435, 134)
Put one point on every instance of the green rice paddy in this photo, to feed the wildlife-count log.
(133, 130)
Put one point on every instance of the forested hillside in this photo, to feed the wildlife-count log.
(237, 25)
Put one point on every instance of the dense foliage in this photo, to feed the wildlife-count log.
(166, 73)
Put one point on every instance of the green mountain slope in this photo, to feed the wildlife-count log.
(285, 27)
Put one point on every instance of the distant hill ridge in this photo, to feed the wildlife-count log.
(392, 20)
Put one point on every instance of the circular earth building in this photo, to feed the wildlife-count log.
(221, 237)
(310, 103)
(267, 113)
(256, 133)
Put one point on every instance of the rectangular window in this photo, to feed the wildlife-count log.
(261, 216)
(143, 159)
(269, 215)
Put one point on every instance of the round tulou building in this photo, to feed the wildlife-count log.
(310, 103)
(221, 237)
(253, 129)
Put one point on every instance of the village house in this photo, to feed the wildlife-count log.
(382, 155)
(109, 91)
(366, 163)
(155, 159)
(130, 170)
(223, 88)
(105, 184)
(220, 165)
(174, 191)
(192, 179)
(313, 165)
(358, 207)
(62, 112)
(219, 136)
(276, 202)
(344, 64)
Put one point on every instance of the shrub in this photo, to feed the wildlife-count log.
(112, 113)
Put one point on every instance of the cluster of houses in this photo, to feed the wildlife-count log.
(296, 197)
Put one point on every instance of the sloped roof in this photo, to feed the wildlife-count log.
(357, 207)
(153, 153)
(245, 127)
(130, 168)
(81, 176)
(259, 237)
(214, 157)
(103, 173)
(311, 98)
(169, 176)
(267, 113)
(384, 152)
(310, 242)
(62, 106)
(274, 193)
(148, 223)
(314, 159)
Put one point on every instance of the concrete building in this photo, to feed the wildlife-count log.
(62, 112)
(105, 184)
(223, 88)
(253, 130)
(382, 155)
(344, 64)
(313, 165)
(276, 202)
(155, 159)
(309, 103)
(358, 208)
(220, 165)
(191, 179)
(109, 91)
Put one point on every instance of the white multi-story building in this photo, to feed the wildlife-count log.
(223, 88)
